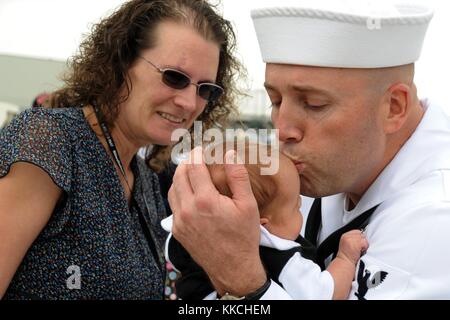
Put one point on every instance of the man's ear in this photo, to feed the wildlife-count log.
(398, 104)
(264, 221)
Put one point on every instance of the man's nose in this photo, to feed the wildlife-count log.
(289, 123)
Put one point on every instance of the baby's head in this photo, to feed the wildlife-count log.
(277, 195)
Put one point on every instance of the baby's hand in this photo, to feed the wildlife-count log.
(352, 245)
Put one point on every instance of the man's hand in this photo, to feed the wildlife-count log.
(221, 233)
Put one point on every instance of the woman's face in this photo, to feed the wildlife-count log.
(154, 110)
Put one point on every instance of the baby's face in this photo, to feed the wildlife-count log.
(284, 218)
(287, 221)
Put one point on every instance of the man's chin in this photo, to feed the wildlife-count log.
(310, 194)
(310, 191)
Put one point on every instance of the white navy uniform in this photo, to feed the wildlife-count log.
(301, 277)
(409, 232)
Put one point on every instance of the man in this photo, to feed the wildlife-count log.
(374, 155)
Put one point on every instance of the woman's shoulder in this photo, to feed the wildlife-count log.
(43, 137)
(56, 114)
(46, 117)
(45, 121)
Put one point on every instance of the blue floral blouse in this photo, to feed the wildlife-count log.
(93, 246)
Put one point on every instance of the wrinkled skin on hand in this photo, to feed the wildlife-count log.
(221, 233)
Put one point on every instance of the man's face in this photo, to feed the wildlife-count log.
(330, 124)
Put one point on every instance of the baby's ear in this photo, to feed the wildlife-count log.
(264, 221)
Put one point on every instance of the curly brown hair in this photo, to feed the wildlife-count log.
(98, 72)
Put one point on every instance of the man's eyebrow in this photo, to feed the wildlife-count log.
(301, 89)
(310, 89)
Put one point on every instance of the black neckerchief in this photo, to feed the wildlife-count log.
(151, 239)
(331, 244)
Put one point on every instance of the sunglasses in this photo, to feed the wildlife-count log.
(176, 79)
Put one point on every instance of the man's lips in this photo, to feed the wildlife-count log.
(299, 165)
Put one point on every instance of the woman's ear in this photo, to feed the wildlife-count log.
(398, 106)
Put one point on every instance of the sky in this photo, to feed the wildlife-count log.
(53, 29)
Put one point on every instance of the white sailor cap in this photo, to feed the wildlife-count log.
(342, 36)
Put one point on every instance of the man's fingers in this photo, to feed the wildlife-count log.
(180, 183)
(237, 178)
(181, 190)
(198, 174)
(174, 203)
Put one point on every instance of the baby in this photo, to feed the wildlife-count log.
(278, 198)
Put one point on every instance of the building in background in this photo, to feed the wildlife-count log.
(255, 109)
(22, 78)
(7, 113)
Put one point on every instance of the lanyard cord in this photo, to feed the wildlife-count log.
(112, 148)
(110, 142)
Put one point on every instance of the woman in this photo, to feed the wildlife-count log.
(79, 211)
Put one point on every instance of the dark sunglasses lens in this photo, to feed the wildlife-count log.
(209, 92)
(175, 79)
